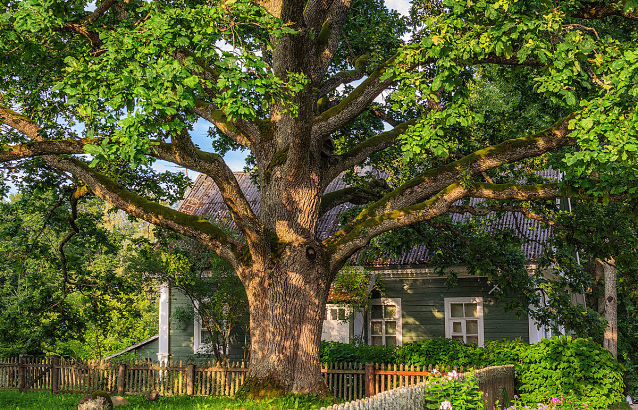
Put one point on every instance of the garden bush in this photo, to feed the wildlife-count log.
(438, 351)
(357, 352)
(577, 367)
(453, 392)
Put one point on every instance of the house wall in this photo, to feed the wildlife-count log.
(148, 351)
(423, 309)
(182, 331)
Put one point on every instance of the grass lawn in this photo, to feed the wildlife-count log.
(15, 400)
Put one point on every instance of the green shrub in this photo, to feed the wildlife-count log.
(579, 368)
(574, 367)
(498, 353)
(460, 393)
(357, 352)
(438, 351)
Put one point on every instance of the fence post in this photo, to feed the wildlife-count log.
(22, 373)
(190, 379)
(369, 380)
(121, 379)
(55, 374)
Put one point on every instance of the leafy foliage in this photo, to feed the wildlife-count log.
(335, 352)
(578, 368)
(453, 392)
(575, 367)
(68, 298)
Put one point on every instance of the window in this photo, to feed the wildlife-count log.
(334, 312)
(464, 319)
(384, 323)
(201, 337)
(336, 326)
(202, 341)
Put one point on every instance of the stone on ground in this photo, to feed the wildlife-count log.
(119, 401)
(98, 400)
(152, 395)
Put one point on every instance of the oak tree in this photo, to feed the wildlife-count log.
(313, 89)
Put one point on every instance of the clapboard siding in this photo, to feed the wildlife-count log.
(148, 351)
(181, 333)
(423, 308)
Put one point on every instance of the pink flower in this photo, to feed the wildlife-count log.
(446, 405)
(555, 400)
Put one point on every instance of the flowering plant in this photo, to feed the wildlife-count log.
(448, 391)
(556, 403)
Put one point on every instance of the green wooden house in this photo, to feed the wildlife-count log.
(417, 303)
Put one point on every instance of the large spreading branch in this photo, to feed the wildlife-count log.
(436, 179)
(190, 225)
(351, 106)
(354, 195)
(360, 231)
(38, 148)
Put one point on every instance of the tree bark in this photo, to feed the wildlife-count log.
(286, 317)
(610, 338)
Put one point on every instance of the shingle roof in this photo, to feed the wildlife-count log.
(204, 199)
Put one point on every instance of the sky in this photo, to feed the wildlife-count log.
(235, 159)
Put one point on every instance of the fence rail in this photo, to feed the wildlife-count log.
(347, 381)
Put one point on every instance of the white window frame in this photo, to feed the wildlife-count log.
(479, 312)
(343, 325)
(347, 312)
(198, 345)
(383, 302)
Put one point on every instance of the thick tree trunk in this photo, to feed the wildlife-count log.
(610, 339)
(286, 318)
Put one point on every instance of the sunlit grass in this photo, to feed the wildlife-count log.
(16, 400)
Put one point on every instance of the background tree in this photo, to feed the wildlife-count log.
(62, 287)
(125, 81)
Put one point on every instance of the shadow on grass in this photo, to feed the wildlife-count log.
(32, 400)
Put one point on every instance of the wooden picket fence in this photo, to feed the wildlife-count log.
(347, 381)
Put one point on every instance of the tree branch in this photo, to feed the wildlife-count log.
(49, 147)
(360, 98)
(351, 106)
(353, 195)
(434, 180)
(216, 168)
(365, 149)
(212, 114)
(329, 38)
(316, 12)
(358, 232)
(190, 225)
(99, 11)
(345, 77)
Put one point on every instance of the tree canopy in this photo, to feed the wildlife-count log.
(312, 90)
